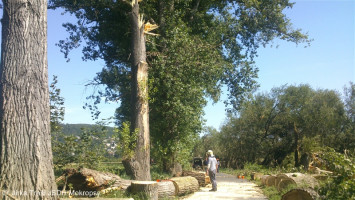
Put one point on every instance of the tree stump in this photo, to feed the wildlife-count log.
(185, 185)
(166, 189)
(200, 176)
(149, 189)
(304, 194)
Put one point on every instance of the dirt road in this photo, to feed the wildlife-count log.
(228, 188)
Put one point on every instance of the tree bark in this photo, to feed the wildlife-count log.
(25, 143)
(166, 189)
(296, 153)
(139, 165)
(147, 188)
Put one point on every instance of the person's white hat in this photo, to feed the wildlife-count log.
(210, 152)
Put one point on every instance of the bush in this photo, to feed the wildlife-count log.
(342, 184)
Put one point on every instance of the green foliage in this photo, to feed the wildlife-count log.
(158, 173)
(86, 149)
(273, 128)
(56, 106)
(127, 140)
(272, 193)
(342, 184)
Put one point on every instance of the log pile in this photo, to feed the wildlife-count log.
(185, 185)
(147, 188)
(200, 176)
(304, 184)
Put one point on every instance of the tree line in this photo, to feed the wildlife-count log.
(285, 127)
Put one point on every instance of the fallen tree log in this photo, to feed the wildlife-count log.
(200, 176)
(166, 189)
(304, 194)
(303, 180)
(85, 179)
(298, 179)
(149, 189)
(185, 185)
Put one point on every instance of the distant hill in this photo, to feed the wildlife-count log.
(75, 129)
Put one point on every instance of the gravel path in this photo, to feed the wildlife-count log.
(228, 188)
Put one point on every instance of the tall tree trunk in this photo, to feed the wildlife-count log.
(296, 153)
(25, 142)
(139, 166)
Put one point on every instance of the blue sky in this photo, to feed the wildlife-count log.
(327, 64)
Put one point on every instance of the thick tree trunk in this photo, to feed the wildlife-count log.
(296, 153)
(139, 165)
(26, 153)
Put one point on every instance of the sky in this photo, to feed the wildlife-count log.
(329, 63)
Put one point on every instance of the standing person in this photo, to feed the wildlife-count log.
(205, 163)
(212, 169)
(218, 165)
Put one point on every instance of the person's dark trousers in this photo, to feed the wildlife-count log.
(212, 175)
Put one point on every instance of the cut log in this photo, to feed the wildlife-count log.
(279, 178)
(91, 180)
(304, 194)
(270, 180)
(263, 179)
(185, 185)
(303, 180)
(256, 176)
(149, 189)
(285, 183)
(207, 180)
(166, 189)
(200, 176)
